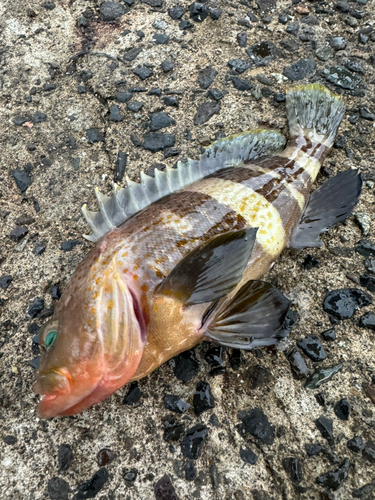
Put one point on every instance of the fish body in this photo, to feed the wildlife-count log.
(186, 267)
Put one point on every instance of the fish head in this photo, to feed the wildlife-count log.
(92, 346)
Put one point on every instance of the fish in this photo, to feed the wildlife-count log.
(178, 258)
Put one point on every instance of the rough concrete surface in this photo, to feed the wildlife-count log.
(68, 60)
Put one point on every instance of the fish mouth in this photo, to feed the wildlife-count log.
(55, 389)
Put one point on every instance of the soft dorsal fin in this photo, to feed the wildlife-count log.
(125, 202)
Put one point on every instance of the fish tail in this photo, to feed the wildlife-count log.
(314, 113)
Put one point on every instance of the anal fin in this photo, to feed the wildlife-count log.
(333, 202)
(254, 317)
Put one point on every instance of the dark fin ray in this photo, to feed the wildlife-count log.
(212, 270)
(228, 152)
(254, 317)
(333, 202)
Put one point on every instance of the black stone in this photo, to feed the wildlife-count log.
(262, 53)
(185, 24)
(292, 28)
(242, 39)
(130, 475)
(203, 399)
(198, 12)
(206, 76)
(39, 248)
(329, 334)
(241, 85)
(132, 54)
(190, 471)
(298, 364)
(353, 119)
(48, 5)
(155, 91)
(365, 491)
(153, 3)
(325, 427)
(365, 248)
(169, 152)
(55, 292)
(124, 96)
(368, 452)
(368, 320)
(20, 120)
(310, 262)
(67, 246)
(176, 12)
(259, 377)
(278, 97)
(267, 92)
(366, 114)
(136, 140)
(173, 429)
(110, 11)
(92, 487)
(35, 308)
(64, 456)
(175, 404)
(322, 376)
(342, 409)
(164, 489)
(160, 39)
(10, 440)
(171, 101)
(39, 117)
(18, 233)
(206, 111)
(290, 45)
(248, 456)
(256, 423)
(301, 69)
(22, 179)
(292, 467)
(58, 489)
(120, 166)
(135, 106)
(235, 359)
(215, 357)
(356, 444)
(192, 443)
(115, 115)
(186, 366)
(167, 65)
(160, 120)
(337, 43)
(140, 34)
(334, 479)
(354, 66)
(368, 282)
(94, 135)
(342, 303)
(154, 141)
(5, 281)
(142, 72)
(239, 65)
(313, 348)
(133, 396)
(313, 449)
(214, 12)
(341, 77)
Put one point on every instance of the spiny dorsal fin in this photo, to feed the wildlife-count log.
(125, 202)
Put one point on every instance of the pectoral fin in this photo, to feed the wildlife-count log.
(212, 270)
(333, 202)
(253, 317)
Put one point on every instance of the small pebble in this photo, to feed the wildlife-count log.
(342, 409)
(133, 396)
(203, 399)
(356, 444)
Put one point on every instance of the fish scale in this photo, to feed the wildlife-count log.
(179, 257)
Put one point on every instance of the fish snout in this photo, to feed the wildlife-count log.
(52, 383)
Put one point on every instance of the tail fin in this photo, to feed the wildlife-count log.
(314, 112)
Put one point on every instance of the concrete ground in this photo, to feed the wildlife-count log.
(70, 121)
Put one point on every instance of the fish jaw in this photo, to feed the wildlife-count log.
(55, 388)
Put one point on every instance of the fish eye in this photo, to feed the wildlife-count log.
(50, 338)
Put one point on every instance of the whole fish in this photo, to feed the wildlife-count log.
(178, 257)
